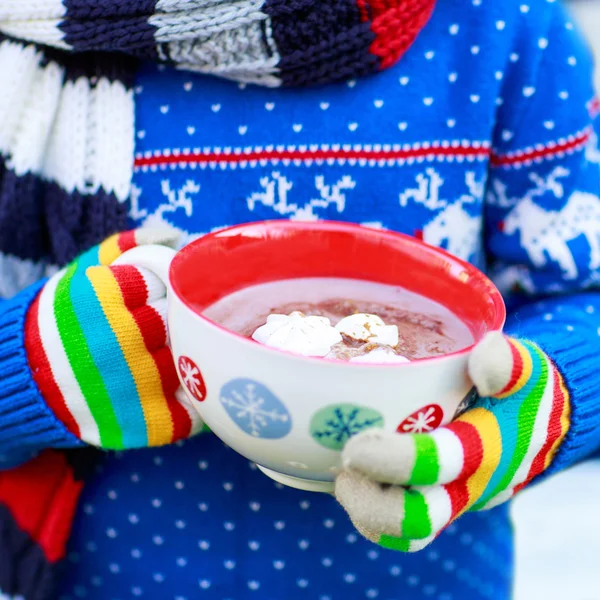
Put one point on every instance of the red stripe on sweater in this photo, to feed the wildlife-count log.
(42, 497)
(517, 369)
(473, 455)
(554, 432)
(42, 371)
(153, 331)
(56, 530)
(537, 154)
(473, 150)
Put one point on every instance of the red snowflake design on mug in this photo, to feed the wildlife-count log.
(192, 378)
(423, 420)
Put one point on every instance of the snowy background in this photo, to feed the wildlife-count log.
(588, 13)
(558, 523)
(558, 537)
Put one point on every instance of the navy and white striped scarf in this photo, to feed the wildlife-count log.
(272, 42)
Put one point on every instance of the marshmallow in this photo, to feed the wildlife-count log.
(299, 334)
(368, 328)
(380, 356)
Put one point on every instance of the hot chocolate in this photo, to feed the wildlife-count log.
(343, 319)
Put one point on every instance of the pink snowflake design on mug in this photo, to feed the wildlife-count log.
(192, 378)
(423, 420)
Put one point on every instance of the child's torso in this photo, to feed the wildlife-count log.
(198, 521)
(406, 150)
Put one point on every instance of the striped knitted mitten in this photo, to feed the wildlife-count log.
(401, 490)
(96, 340)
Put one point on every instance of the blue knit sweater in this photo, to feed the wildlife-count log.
(480, 140)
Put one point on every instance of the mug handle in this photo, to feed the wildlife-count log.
(153, 257)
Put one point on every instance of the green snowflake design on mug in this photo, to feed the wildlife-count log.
(334, 425)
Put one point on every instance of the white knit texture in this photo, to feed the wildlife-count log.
(439, 506)
(41, 31)
(191, 21)
(61, 367)
(169, 6)
(110, 139)
(30, 135)
(156, 292)
(19, 67)
(450, 453)
(26, 10)
(232, 40)
(74, 134)
(66, 152)
(490, 364)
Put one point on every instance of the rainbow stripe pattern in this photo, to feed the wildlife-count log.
(96, 344)
(478, 461)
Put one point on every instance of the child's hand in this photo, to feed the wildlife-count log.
(480, 460)
(96, 340)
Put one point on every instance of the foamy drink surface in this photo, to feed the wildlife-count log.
(424, 328)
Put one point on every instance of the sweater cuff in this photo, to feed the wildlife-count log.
(576, 357)
(26, 422)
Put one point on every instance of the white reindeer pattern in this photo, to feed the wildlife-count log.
(275, 195)
(453, 225)
(176, 199)
(426, 192)
(545, 233)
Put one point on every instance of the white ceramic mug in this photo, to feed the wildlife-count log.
(289, 414)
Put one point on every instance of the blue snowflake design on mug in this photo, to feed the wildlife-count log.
(334, 425)
(255, 409)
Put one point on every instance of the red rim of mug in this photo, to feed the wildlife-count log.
(237, 257)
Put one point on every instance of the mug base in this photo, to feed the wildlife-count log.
(307, 485)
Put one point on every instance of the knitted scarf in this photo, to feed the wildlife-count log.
(67, 70)
(272, 42)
